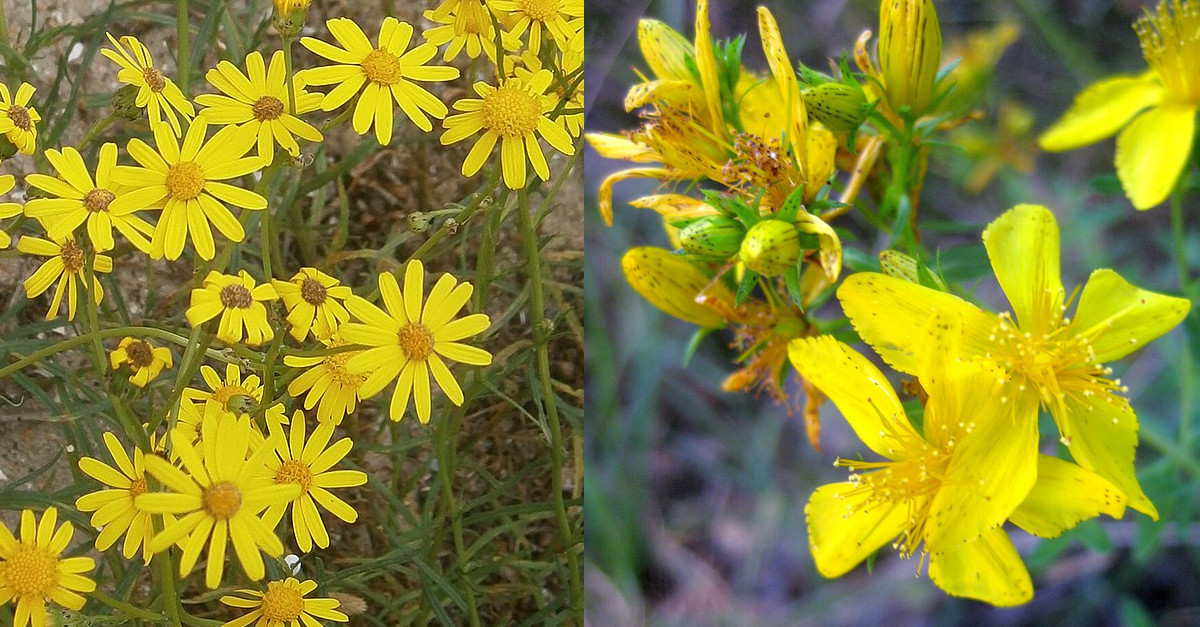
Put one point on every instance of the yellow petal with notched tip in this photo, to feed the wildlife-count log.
(1152, 152)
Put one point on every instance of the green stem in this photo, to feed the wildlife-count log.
(1169, 448)
(537, 308)
(171, 603)
(287, 65)
(447, 442)
(4, 27)
(93, 324)
(78, 340)
(184, 54)
(1187, 365)
(1177, 238)
(127, 610)
(96, 129)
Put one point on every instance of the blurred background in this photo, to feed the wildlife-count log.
(695, 497)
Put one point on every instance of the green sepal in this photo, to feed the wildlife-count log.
(694, 344)
(746, 286)
(791, 278)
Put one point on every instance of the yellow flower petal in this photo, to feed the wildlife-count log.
(1065, 495)
(890, 314)
(839, 542)
(1152, 152)
(706, 62)
(1022, 245)
(1101, 435)
(988, 569)
(665, 50)
(1119, 318)
(856, 386)
(1101, 110)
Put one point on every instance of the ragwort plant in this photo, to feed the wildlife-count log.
(215, 162)
(756, 167)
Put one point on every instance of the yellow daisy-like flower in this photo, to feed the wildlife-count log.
(258, 104)
(560, 19)
(80, 199)
(219, 496)
(311, 298)
(233, 393)
(386, 71)
(18, 120)
(157, 93)
(410, 340)
(327, 381)
(239, 302)
(114, 512)
(307, 463)
(7, 209)
(65, 263)
(467, 24)
(515, 112)
(145, 359)
(1157, 109)
(283, 604)
(186, 182)
(33, 571)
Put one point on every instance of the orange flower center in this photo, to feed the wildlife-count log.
(295, 471)
(185, 180)
(236, 297)
(222, 500)
(335, 365)
(31, 572)
(511, 111)
(154, 79)
(382, 67)
(72, 256)
(282, 602)
(98, 200)
(140, 354)
(138, 487)
(416, 341)
(540, 10)
(268, 108)
(312, 292)
(20, 117)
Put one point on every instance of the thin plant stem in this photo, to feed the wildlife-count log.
(171, 603)
(3, 27)
(96, 129)
(127, 610)
(184, 54)
(445, 445)
(533, 269)
(287, 65)
(1187, 365)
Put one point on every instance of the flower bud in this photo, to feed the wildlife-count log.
(910, 52)
(419, 222)
(714, 236)
(289, 16)
(672, 283)
(124, 104)
(665, 50)
(839, 107)
(771, 247)
(901, 266)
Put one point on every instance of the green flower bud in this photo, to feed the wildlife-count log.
(901, 266)
(837, 106)
(124, 104)
(714, 236)
(771, 247)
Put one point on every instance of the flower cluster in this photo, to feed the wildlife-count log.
(218, 471)
(757, 165)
